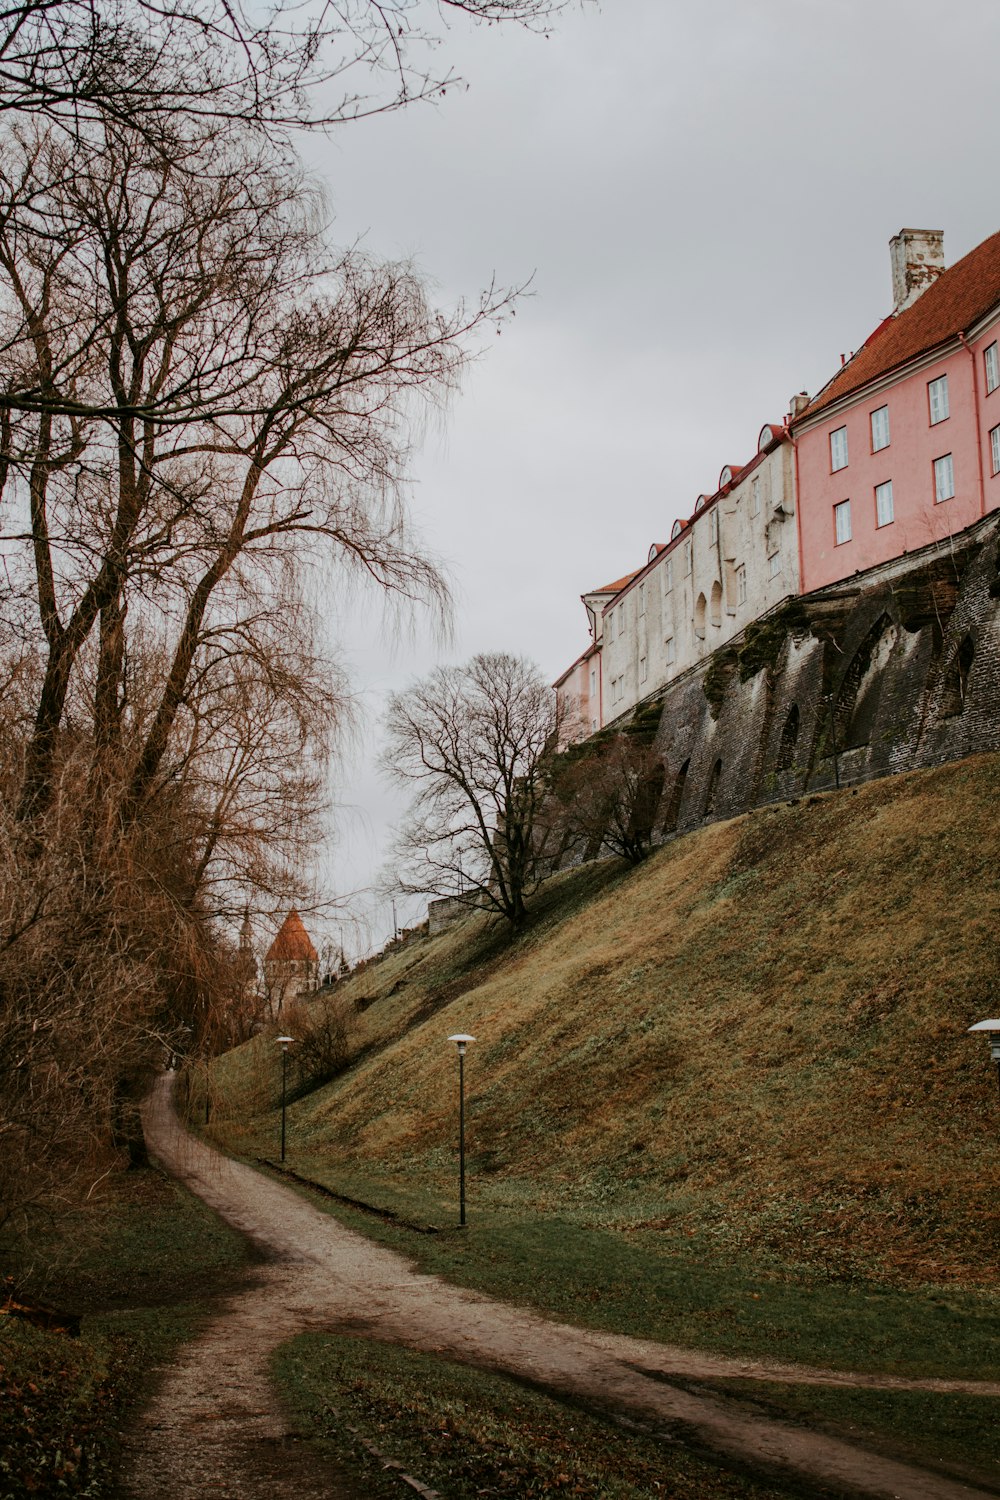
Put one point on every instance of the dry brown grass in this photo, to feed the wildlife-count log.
(756, 1038)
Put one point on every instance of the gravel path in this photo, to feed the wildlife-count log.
(215, 1428)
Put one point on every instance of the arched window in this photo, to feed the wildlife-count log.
(716, 606)
(789, 739)
(699, 504)
(857, 698)
(956, 683)
(712, 795)
(676, 529)
(700, 610)
(676, 798)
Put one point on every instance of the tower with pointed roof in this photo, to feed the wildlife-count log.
(291, 964)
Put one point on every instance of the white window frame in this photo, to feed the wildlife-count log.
(642, 598)
(611, 626)
(755, 495)
(842, 523)
(688, 559)
(991, 366)
(880, 428)
(621, 618)
(593, 682)
(669, 651)
(995, 448)
(838, 449)
(944, 478)
(938, 404)
(668, 575)
(713, 525)
(643, 668)
(774, 565)
(885, 510)
(741, 584)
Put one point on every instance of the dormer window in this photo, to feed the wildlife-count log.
(699, 504)
(766, 438)
(726, 477)
(676, 529)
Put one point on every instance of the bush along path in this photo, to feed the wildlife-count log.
(215, 1426)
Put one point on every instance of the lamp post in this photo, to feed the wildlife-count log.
(992, 1029)
(284, 1041)
(461, 1040)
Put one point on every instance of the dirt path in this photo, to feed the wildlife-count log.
(214, 1428)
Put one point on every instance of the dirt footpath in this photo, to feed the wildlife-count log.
(215, 1429)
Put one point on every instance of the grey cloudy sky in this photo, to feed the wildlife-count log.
(703, 194)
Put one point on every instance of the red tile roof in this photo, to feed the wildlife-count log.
(951, 305)
(293, 942)
(618, 585)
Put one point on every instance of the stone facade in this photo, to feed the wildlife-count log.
(897, 669)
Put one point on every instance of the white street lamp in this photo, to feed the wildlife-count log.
(992, 1030)
(283, 1042)
(461, 1040)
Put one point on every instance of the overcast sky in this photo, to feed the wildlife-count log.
(703, 194)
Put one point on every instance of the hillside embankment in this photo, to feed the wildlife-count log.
(755, 1042)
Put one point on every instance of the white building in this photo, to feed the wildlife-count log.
(733, 561)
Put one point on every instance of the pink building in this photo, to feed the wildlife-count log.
(902, 447)
(579, 698)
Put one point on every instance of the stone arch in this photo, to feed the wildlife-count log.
(700, 611)
(712, 794)
(956, 682)
(672, 815)
(789, 740)
(857, 697)
(716, 603)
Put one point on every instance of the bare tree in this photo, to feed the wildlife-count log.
(609, 796)
(474, 744)
(289, 64)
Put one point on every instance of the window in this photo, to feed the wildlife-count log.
(687, 557)
(643, 673)
(992, 365)
(668, 575)
(842, 521)
(593, 681)
(995, 449)
(611, 625)
(883, 504)
(944, 478)
(937, 396)
(713, 525)
(838, 449)
(755, 496)
(593, 726)
(774, 565)
(741, 584)
(880, 429)
(621, 619)
(642, 598)
(669, 652)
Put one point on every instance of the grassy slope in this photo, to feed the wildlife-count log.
(755, 1041)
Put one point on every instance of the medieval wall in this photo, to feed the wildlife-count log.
(895, 669)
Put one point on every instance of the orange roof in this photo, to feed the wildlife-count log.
(293, 941)
(618, 585)
(951, 305)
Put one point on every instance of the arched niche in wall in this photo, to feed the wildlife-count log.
(956, 682)
(712, 794)
(857, 698)
(715, 608)
(673, 812)
(700, 611)
(789, 740)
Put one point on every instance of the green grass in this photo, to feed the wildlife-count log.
(138, 1264)
(466, 1432)
(683, 1292)
(952, 1432)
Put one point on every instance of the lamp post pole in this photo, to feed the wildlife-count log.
(461, 1040)
(992, 1030)
(284, 1040)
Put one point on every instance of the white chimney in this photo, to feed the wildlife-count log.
(917, 257)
